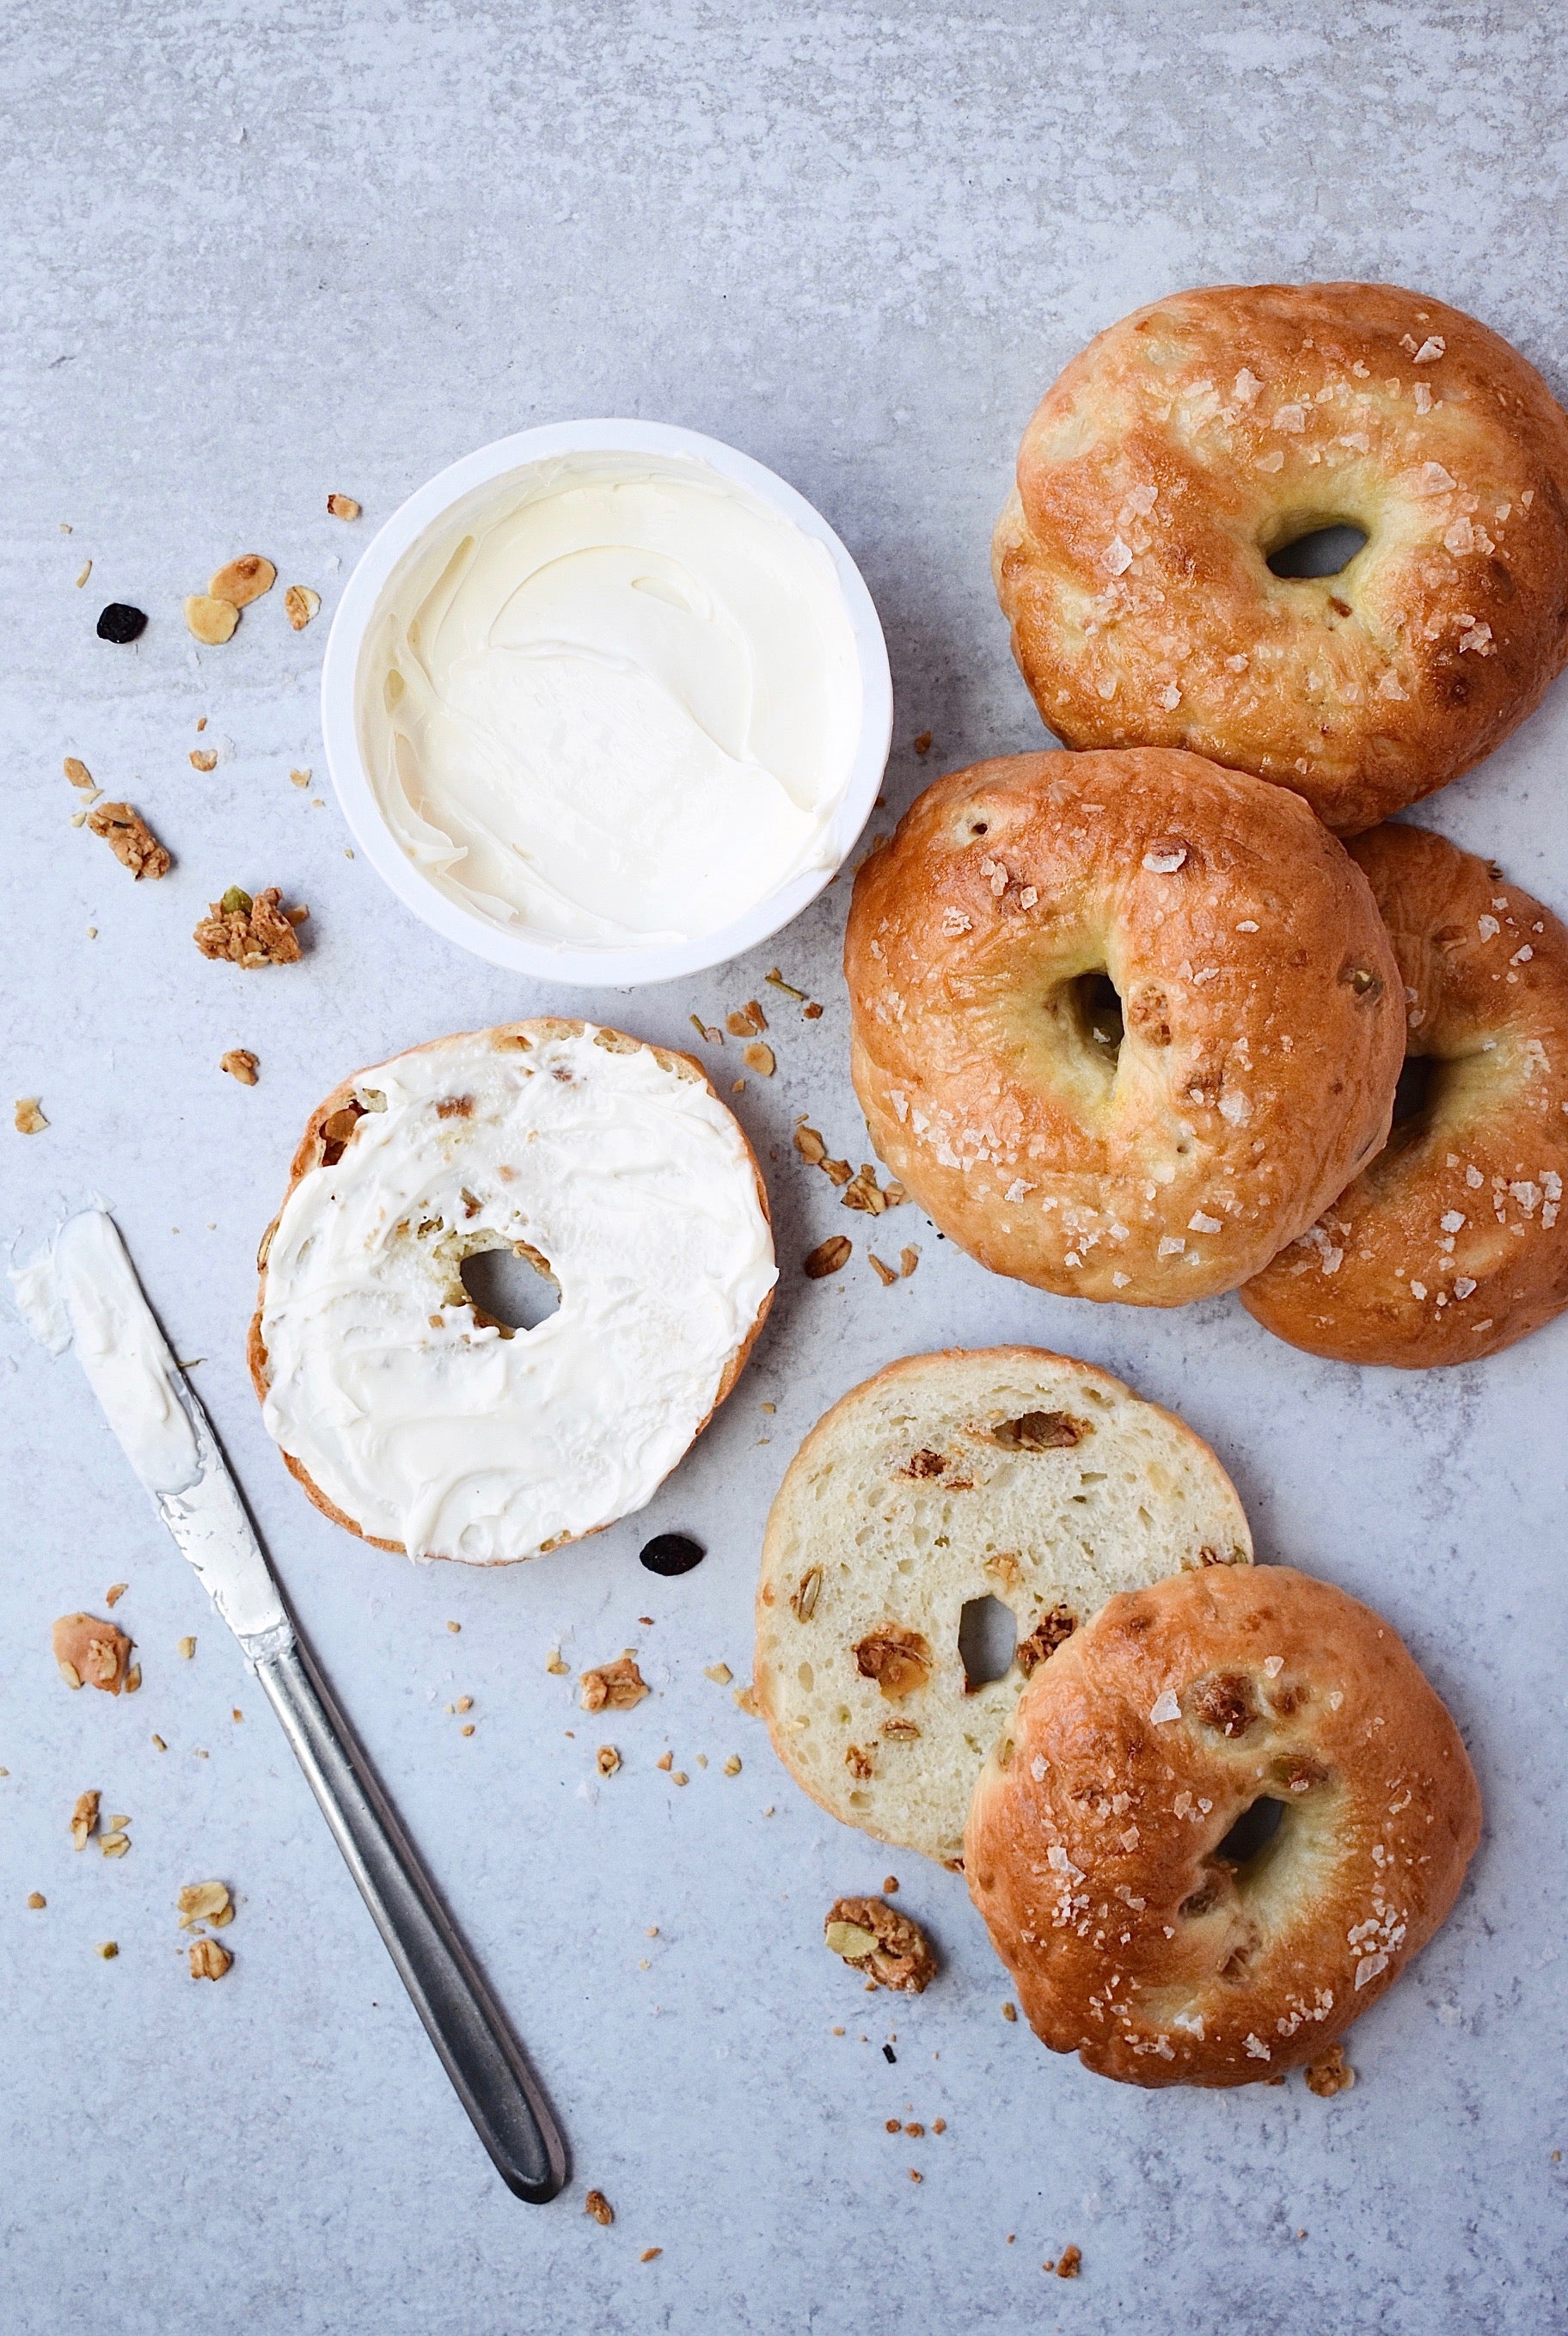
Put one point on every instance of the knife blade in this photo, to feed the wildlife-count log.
(86, 1296)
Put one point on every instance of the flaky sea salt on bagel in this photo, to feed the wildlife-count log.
(412, 1416)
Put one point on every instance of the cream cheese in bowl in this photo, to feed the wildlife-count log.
(610, 707)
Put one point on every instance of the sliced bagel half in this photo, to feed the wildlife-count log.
(1008, 1475)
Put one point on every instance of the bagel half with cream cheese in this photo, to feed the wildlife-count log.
(1008, 1475)
(419, 1421)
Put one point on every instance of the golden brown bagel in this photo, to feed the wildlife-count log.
(1263, 1024)
(1094, 1847)
(1447, 1246)
(1203, 434)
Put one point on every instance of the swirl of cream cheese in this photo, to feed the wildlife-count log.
(613, 700)
(428, 1428)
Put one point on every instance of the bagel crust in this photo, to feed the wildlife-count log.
(1205, 433)
(1094, 1844)
(1448, 1246)
(1157, 1145)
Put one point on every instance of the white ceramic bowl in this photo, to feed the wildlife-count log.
(536, 953)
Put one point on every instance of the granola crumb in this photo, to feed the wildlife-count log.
(108, 1949)
(114, 1843)
(90, 1653)
(83, 1820)
(613, 1687)
(186, 1650)
(463, 1703)
(133, 1679)
(649, 2253)
(608, 1759)
(759, 1058)
(466, 1730)
(116, 1592)
(908, 1260)
(241, 1063)
(747, 1021)
(200, 722)
(209, 1960)
(828, 1256)
(597, 2205)
(874, 1938)
(555, 1665)
(733, 1765)
(249, 931)
(666, 1761)
(885, 1274)
(915, 2175)
(923, 743)
(889, 1885)
(1069, 2262)
(745, 1700)
(130, 838)
(720, 1674)
(80, 777)
(205, 1901)
(342, 507)
(299, 605)
(240, 581)
(28, 1116)
(811, 1012)
(863, 1193)
(35, 1899)
(1010, 2012)
(299, 778)
(203, 758)
(210, 619)
(1330, 2073)
(938, 2125)
(86, 572)
(680, 1777)
(454, 1628)
(159, 1745)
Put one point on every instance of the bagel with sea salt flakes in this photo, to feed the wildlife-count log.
(1010, 1475)
(1220, 1823)
(1192, 444)
(1447, 1246)
(1122, 1024)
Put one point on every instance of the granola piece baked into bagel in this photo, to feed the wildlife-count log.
(1202, 436)
(415, 1418)
(1119, 1844)
(1447, 1246)
(1123, 1023)
(1006, 1475)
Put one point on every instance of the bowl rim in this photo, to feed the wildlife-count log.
(522, 952)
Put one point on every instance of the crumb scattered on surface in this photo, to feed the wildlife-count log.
(745, 1700)
(90, 1653)
(299, 778)
(186, 1648)
(813, 1151)
(908, 1260)
(1068, 2264)
(108, 1949)
(873, 1937)
(35, 1899)
(342, 507)
(209, 619)
(648, 2253)
(80, 777)
(203, 758)
(86, 572)
(720, 1674)
(116, 1842)
(205, 1901)
(747, 1021)
(133, 1679)
(556, 1665)
(885, 1274)
(1010, 2012)
(812, 1012)
(241, 1063)
(597, 2205)
(613, 1687)
(862, 1191)
(889, 1885)
(666, 1761)
(733, 1765)
(759, 1058)
(1330, 2073)
(116, 1592)
(828, 1256)
(923, 743)
(83, 1820)
(299, 605)
(454, 1628)
(608, 1759)
(28, 1116)
(159, 1745)
(249, 931)
(130, 838)
(240, 581)
(209, 1960)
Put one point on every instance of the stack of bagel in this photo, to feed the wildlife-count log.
(1187, 1009)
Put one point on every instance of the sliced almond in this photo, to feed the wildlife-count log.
(342, 507)
(210, 619)
(240, 581)
(299, 605)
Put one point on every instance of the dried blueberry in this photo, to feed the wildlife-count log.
(120, 622)
(672, 1553)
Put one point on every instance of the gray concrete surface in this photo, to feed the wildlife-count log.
(252, 254)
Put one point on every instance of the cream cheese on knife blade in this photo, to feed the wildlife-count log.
(617, 700)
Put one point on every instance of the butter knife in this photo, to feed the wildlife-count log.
(86, 1296)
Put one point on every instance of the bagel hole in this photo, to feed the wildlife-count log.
(1252, 1832)
(1323, 551)
(1416, 1090)
(509, 1289)
(1096, 1007)
(988, 1641)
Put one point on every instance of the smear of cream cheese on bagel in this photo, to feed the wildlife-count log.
(427, 1427)
(615, 699)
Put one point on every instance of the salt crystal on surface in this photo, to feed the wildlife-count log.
(1166, 1706)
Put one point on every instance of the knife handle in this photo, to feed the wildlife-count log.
(461, 2018)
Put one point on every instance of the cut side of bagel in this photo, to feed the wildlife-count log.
(1008, 1475)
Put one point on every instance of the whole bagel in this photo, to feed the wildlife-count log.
(1138, 1934)
(1122, 1024)
(1447, 1246)
(1197, 439)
